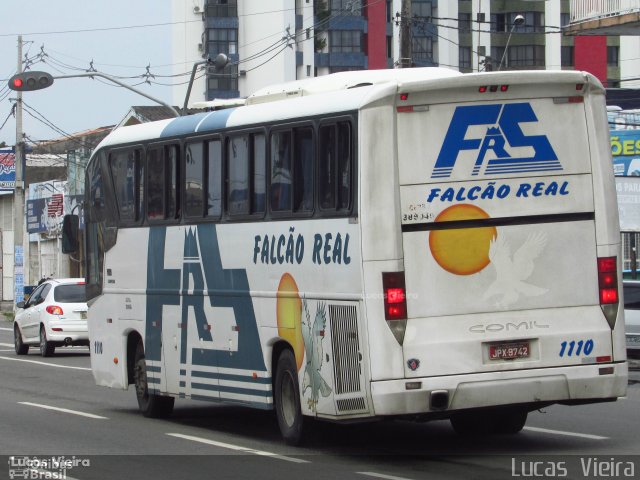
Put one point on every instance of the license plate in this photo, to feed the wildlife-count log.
(83, 315)
(509, 351)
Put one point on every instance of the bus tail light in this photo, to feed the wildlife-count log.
(608, 288)
(395, 303)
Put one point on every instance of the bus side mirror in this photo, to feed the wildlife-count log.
(70, 228)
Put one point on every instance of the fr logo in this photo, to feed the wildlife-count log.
(502, 136)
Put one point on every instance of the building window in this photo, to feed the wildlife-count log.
(520, 56)
(389, 47)
(465, 58)
(228, 80)
(566, 56)
(345, 41)
(222, 8)
(565, 19)
(613, 56)
(422, 48)
(389, 12)
(345, 7)
(222, 40)
(464, 22)
(422, 9)
(503, 22)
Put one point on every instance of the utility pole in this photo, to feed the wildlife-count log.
(406, 57)
(18, 206)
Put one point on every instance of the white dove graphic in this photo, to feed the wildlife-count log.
(511, 272)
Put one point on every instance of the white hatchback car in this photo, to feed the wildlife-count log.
(55, 315)
(632, 315)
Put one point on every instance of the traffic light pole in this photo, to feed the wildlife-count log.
(122, 84)
(19, 260)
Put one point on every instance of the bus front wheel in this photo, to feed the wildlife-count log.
(287, 399)
(151, 405)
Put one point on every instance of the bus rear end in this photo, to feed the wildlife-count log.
(507, 297)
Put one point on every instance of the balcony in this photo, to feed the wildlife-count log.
(604, 17)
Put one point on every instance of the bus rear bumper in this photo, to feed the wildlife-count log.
(547, 385)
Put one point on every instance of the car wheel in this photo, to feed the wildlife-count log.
(46, 347)
(505, 421)
(21, 348)
(287, 399)
(151, 405)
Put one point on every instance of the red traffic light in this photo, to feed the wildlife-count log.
(28, 81)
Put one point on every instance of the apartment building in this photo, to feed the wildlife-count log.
(283, 40)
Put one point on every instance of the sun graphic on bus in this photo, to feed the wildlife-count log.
(288, 314)
(462, 251)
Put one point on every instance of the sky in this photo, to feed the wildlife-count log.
(78, 104)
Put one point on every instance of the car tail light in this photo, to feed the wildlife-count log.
(54, 310)
(395, 303)
(608, 288)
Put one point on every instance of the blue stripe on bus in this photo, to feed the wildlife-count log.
(223, 388)
(151, 368)
(231, 377)
(202, 122)
(153, 380)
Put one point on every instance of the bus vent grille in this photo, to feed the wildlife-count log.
(346, 349)
(350, 404)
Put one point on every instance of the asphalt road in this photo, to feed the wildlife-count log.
(50, 407)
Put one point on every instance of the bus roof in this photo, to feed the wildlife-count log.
(331, 94)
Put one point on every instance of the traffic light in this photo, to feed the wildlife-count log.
(27, 81)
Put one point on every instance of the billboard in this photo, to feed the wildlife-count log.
(7, 170)
(628, 189)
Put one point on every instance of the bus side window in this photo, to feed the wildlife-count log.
(194, 180)
(258, 187)
(155, 184)
(173, 182)
(344, 165)
(125, 167)
(238, 175)
(280, 187)
(335, 166)
(327, 167)
(214, 179)
(303, 170)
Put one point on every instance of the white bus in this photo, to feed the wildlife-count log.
(409, 243)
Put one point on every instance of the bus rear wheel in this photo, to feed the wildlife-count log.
(504, 421)
(287, 399)
(151, 405)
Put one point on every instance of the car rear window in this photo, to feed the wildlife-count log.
(631, 296)
(70, 293)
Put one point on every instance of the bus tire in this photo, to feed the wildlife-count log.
(46, 347)
(151, 405)
(287, 399)
(21, 348)
(506, 421)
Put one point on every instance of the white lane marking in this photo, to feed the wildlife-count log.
(6, 329)
(569, 434)
(44, 363)
(6, 350)
(381, 475)
(64, 410)
(6, 344)
(237, 447)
